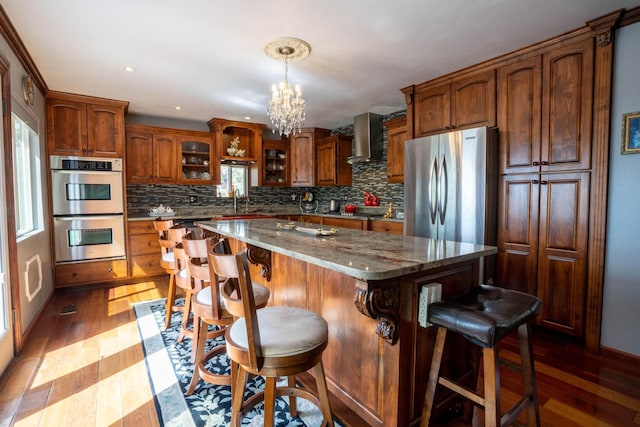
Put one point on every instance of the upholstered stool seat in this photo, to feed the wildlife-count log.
(284, 331)
(484, 316)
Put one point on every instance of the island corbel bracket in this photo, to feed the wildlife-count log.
(381, 304)
(261, 257)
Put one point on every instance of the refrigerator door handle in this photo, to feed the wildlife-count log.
(433, 181)
(443, 189)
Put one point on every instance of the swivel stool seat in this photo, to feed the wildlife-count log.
(484, 316)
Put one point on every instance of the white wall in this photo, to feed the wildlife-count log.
(34, 258)
(621, 305)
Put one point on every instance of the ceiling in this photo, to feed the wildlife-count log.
(207, 56)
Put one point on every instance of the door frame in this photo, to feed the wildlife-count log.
(11, 272)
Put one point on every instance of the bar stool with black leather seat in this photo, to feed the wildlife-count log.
(168, 262)
(271, 342)
(209, 309)
(484, 316)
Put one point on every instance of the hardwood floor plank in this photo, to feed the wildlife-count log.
(87, 369)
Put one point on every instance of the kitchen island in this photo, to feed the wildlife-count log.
(366, 285)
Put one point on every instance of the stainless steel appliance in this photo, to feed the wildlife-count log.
(83, 238)
(88, 208)
(450, 188)
(86, 185)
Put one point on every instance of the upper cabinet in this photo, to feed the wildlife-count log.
(196, 160)
(463, 102)
(80, 125)
(236, 141)
(276, 159)
(396, 136)
(151, 158)
(303, 155)
(331, 160)
(544, 111)
(158, 155)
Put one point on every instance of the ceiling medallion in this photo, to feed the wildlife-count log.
(286, 107)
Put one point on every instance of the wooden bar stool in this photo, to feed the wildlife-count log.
(168, 262)
(271, 342)
(182, 278)
(484, 316)
(209, 309)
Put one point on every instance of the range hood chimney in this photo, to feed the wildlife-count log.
(367, 138)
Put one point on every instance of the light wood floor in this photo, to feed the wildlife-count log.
(87, 369)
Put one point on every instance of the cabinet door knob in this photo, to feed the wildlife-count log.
(535, 181)
(110, 270)
(544, 162)
(535, 164)
(544, 182)
(74, 274)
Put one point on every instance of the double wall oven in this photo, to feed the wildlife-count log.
(88, 208)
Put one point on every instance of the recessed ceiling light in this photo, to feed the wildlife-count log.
(177, 107)
(130, 69)
(247, 117)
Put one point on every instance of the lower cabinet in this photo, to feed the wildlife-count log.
(144, 250)
(86, 273)
(542, 244)
(386, 226)
(337, 221)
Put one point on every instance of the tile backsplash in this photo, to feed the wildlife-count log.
(370, 177)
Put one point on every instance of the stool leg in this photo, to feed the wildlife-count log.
(434, 374)
(186, 314)
(269, 401)
(293, 407)
(529, 374)
(491, 387)
(323, 394)
(171, 297)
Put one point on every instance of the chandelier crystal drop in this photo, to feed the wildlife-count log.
(286, 109)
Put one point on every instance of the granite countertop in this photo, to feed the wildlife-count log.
(365, 255)
(202, 213)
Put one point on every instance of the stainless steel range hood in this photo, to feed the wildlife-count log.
(367, 139)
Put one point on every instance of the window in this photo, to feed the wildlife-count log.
(233, 177)
(26, 176)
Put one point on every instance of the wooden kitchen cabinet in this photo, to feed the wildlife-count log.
(396, 136)
(386, 226)
(197, 162)
(331, 160)
(144, 250)
(249, 136)
(276, 158)
(463, 102)
(544, 111)
(86, 273)
(79, 125)
(303, 155)
(339, 221)
(543, 243)
(151, 157)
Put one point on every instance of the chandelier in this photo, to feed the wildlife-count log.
(286, 107)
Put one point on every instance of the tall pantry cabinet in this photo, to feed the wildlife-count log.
(544, 119)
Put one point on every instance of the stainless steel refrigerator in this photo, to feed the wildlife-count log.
(450, 188)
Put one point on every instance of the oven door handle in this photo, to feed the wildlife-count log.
(85, 217)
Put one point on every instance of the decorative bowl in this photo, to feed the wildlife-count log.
(240, 153)
(231, 151)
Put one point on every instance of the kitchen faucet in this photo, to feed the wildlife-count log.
(235, 201)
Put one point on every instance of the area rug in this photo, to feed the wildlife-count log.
(170, 372)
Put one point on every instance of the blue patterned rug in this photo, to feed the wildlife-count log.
(170, 372)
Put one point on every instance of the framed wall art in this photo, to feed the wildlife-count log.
(631, 133)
